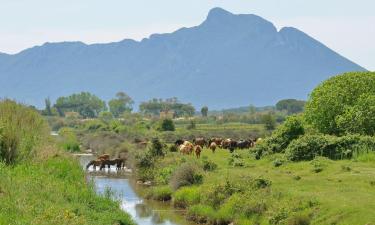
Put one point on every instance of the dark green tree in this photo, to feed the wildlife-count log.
(156, 148)
(167, 125)
(84, 103)
(204, 111)
(122, 103)
(291, 106)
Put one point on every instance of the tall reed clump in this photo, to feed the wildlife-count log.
(21, 130)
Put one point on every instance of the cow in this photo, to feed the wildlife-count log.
(243, 144)
(213, 147)
(103, 157)
(218, 141)
(119, 162)
(185, 149)
(198, 150)
(179, 142)
(200, 141)
(94, 164)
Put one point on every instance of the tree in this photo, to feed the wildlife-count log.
(292, 106)
(167, 125)
(47, 110)
(122, 103)
(339, 99)
(84, 103)
(269, 121)
(155, 106)
(204, 111)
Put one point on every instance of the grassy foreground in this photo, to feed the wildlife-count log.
(53, 191)
(270, 190)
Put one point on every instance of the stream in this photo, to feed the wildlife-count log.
(124, 188)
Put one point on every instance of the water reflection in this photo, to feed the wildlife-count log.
(119, 185)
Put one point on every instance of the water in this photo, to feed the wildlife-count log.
(123, 188)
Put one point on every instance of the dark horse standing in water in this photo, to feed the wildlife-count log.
(120, 163)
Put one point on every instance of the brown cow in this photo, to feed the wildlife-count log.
(185, 149)
(218, 141)
(200, 141)
(198, 150)
(120, 163)
(213, 147)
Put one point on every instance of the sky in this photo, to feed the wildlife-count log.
(346, 26)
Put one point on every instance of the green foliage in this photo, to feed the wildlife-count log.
(166, 125)
(69, 140)
(84, 103)
(269, 121)
(22, 129)
(106, 117)
(185, 175)
(341, 98)
(291, 129)
(186, 196)
(204, 111)
(359, 118)
(160, 193)
(292, 106)
(156, 149)
(53, 191)
(155, 106)
(122, 103)
(192, 125)
(209, 165)
(95, 125)
(309, 146)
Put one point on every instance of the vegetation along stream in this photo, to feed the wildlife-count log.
(123, 187)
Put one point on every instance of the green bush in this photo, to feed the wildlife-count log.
(166, 125)
(345, 147)
(209, 165)
(201, 214)
(343, 104)
(22, 129)
(186, 196)
(291, 129)
(164, 175)
(156, 148)
(185, 175)
(161, 193)
(96, 125)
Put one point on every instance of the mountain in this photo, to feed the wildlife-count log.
(226, 61)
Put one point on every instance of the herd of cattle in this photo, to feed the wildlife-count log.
(104, 160)
(187, 147)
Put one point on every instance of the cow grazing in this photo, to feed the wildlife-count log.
(218, 141)
(213, 147)
(199, 141)
(186, 149)
(198, 150)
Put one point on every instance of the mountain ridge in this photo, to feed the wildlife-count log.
(226, 61)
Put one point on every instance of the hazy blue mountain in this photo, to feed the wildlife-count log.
(228, 60)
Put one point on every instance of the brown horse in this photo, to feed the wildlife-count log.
(94, 164)
(103, 157)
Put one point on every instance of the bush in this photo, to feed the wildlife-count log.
(185, 175)
(186, 196)
(201, 214)
(209, 165)
(162, 193)
(164, 175)
(342, 99)
(309, 146)
(95, 125)
(166, 125)
(173, 148)
(156, 148)
(291, 129)
(69, 140)
(22, 129)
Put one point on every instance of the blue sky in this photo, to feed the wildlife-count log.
(347, 26)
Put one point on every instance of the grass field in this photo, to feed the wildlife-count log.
(315, 192)
(53, 191)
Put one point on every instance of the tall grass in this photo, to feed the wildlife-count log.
(22, 129)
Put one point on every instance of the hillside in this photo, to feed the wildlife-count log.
(226, 61)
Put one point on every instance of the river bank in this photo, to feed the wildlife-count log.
(122, 186)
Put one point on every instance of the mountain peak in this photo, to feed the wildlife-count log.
(218, 12)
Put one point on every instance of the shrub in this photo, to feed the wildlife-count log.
(309, 146)
(291, 129)
(69, 140)
(164, 175)
(209, 165)
(278, 162)
(201, 214)
(186, 196)
(22, 129)
(173, 148)
(162, 193)
(298, 219)
(95, 125)
(342, 99)
(166, 125)
(156, 148)
(185, 175)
